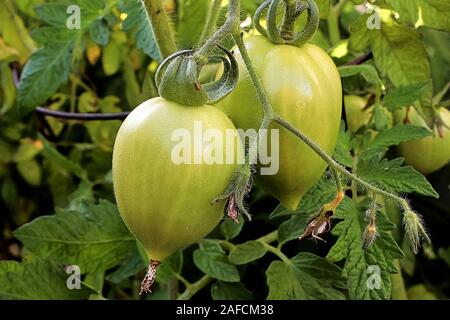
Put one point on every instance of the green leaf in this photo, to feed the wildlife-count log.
(230, 291)
(404, 96)
(368, 71)
(128, 268)
(139, 20)
(430, 13)
(398, 50)
(231, 230)
(292, 228)
(95, 239)
(391, 176)
(361, 266)
(343, 147)
(308, 277)
(392, 137)
(99, 32)
(47, 69)
(36, 280)
(55, 156)
(170, 267)
(211, 259)
(247, 252)
(191, 21)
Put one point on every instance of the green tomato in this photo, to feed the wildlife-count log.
(356, 115)
(429, 154)
(166, 204)
(304, 87)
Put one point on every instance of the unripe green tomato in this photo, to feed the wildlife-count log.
(304, 87)
(429, 154)
(356, 115)
(166, 205)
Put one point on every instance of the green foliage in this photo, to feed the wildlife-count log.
(56, 192)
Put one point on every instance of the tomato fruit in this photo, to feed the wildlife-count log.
(431, 153)
(356, 115)
(164, 204)
(304, 87)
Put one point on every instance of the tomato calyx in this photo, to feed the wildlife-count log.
(286, 34)
(150, 277)
(177, 78)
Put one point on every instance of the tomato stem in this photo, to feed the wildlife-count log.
(159, 21)
(211, 20)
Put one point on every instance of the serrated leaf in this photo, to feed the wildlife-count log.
(308, 277)
(139, 20)
(430, 13)
(362, 266)
(231, 230)
(47, 69)
(247, 252)
(230, 291)
(392, 137)
(36, 280)
(95, 239)
(398, 50)
(211, 259)
(404, 96)
(391, 176)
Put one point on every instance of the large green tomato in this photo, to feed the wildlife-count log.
(304, 87)
(429, 154)
(166, 204)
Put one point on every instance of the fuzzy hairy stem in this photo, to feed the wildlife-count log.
(211, 20)
(162, 30)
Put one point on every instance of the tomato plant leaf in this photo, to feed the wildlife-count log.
(367, 272)
(99, 32)
(211, 259)
(36, 280)
(46, 71)
(170, 267)
(138, 19)
(95, 239)
(404, 96)
(230, 291)
(430, 13)
(292, 228)
(393, 177)
(231, 230)
(191, 21)
(343, 147)
(247, 252)
(393, 136)
(308, 277)
(128, 268)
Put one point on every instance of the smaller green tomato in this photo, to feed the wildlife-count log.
(357, 116)
(429, 154)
